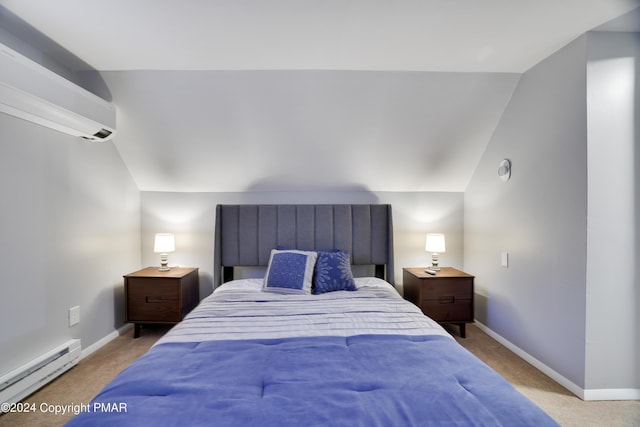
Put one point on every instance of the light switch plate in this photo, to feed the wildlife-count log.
(505, 259)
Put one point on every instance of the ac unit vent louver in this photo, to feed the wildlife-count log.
(34, 93)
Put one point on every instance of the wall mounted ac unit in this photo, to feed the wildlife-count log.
(34, 93)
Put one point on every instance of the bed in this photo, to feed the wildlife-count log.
(313, 342)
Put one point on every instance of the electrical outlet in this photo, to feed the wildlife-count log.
(74, 315)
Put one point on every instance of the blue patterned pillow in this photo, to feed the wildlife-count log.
(333, 272)
(290, 272)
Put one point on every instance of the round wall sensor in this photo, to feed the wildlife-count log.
(504, 170)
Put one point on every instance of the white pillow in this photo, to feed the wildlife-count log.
(372, 282)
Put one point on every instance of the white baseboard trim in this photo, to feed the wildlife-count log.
(584, 394)
(105, 340)
(612, 394)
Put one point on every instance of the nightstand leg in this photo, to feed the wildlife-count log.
(463, 330)
(136, 330)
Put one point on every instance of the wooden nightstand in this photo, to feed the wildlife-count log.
(153, 296)
(446, 297)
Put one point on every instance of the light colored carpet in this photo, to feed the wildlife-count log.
(81, 383)
(85, 380)
(563, 406)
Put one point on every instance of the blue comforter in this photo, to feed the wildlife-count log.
(362, 380)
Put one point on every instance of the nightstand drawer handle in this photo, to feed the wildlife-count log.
(158, 299)
(447, 300)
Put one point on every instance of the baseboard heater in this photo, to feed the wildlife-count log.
(29, 377)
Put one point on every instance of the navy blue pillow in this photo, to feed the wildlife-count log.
(333, 272)
(290, 272)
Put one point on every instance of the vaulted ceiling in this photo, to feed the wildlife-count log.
(414, 35)
(227, 95)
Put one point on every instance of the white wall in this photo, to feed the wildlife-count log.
(70, 227)
(569, 218)
(191, 217)
(538, 217)
(613, 270)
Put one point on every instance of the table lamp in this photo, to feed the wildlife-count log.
(164, 244)
(435, 245)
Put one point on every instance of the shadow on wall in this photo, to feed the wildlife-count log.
(206, 283)
(22, 37)
(480, 307)
(118, 305)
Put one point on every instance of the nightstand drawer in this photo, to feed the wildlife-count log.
(455, 288)
(154, 311)
(446, 310)
(153, 300)
(142, 287)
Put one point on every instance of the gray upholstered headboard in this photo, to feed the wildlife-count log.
(246, 234)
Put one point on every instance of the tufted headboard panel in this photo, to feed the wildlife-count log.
(246, 234)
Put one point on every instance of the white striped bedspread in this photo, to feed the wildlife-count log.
(240, 310)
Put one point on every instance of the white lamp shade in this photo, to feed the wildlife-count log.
(164, 243)
(435, 243)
